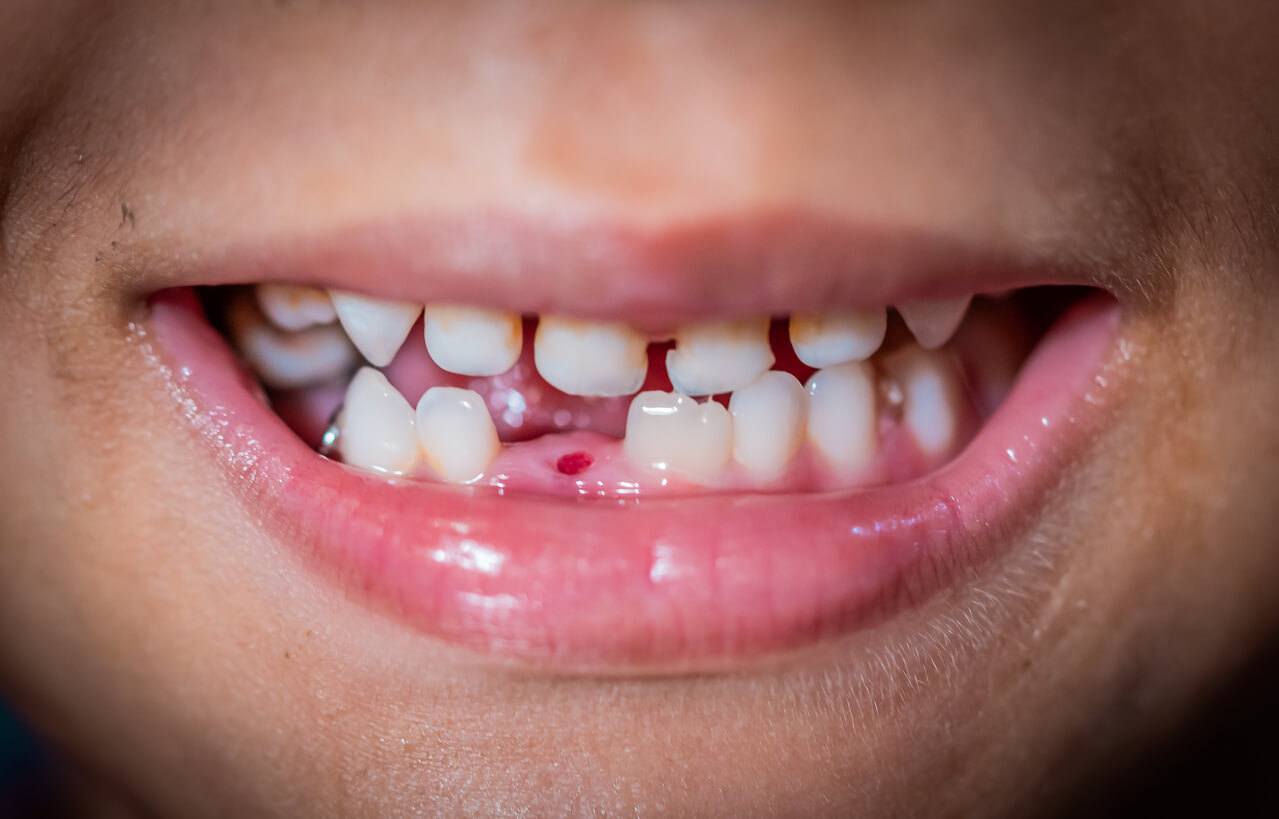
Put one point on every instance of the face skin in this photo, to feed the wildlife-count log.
(142, 609)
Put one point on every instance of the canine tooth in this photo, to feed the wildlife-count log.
(376, 426)
(934, 321)
(931, 395)
(842, 421)
(288, 360)
(295, 307)
(457, 433)
(837, 338)
(716, 357)
(670, 432)
(769, 416)
(377, 327)
(590, 358)
(473, 340)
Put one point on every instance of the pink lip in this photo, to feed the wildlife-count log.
(685, 582)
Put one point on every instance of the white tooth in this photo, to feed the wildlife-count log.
(377, 327)
(842, 419)
(718, 357)
(457, 433)
(768, 423)
(295, 307)
(376, 426)
(931, 397)
(288, 360)
(473, 340)
(670, 432)
(934, 322)
(590, 358)
(837, 338)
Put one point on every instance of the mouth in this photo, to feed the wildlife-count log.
(681, 467)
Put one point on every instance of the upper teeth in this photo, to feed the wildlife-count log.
(934, 322)
(295, 307)
(472, 340)
(287, 360)
(590, 358)
(837, 338)
(377, 326)
(717, 357)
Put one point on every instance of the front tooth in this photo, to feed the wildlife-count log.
(590, 358)
(718, 357)
(288, 360)
(931, 396)
(376, 426)
(768, 423)
(457, 433)
(837, 338)
(378, 327)
(473, 340)
(933, 322)
(295, 307)
(669, 432)
(842, 420)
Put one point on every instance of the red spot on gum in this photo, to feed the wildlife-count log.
(574, 463)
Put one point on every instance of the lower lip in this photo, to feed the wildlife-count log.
(685, 582)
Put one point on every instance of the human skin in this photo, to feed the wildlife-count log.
(192, 665)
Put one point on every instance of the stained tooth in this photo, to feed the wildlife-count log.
(934, 322)
(457, 433)
(473, 340)
(837, 338)
(590, 358)
(378, 327)
(842, 422)
(376, 426)
(718, 357)
(769, 416)
(287, 360)
(669, 432)
(295, 307)
(931, 397)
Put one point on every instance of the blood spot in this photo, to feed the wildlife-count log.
(574, 463)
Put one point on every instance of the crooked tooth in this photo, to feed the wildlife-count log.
(669, 432)
(295, 307)
(931, 396)
(377, 327)
(473, 340)
(457, 434)
(590, 358)
(842, 419)
(837, 338)
(288, 360)
(376, 426)
(769, 417)
(934, 321)
(711, 358)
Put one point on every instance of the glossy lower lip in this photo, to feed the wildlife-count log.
(689, 582)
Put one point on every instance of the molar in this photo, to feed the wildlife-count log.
(590, 358)
(287, 360)
(295, 307)
(842, 420)
(377, 327)
(669, 432)
(717, 357)
(456, 433)
(934, 321)
(837, 338)
(472, 340)
(769, 417)
(376, 426)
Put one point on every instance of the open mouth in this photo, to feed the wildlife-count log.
(595, 489)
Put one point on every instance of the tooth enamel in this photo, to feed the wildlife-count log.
(473, 340)
(288, 360)
(837, 338)
(377, 327)
(376, 426)
(669, 432)
(295, 307)
(590, 358)
(931, 397)
(457, 433)
(769, 417)
(842, 421)
(934, 322)
(718, 357)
